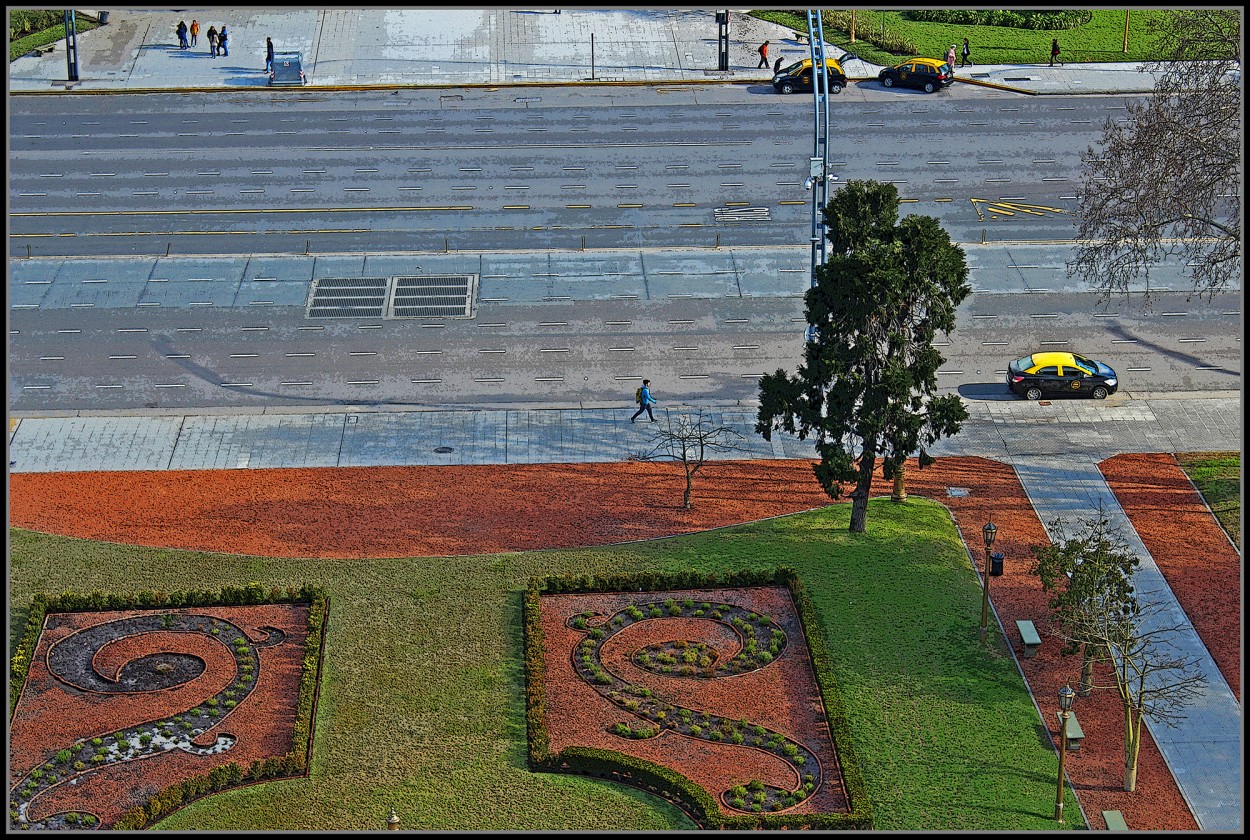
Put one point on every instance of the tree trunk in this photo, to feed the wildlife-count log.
(1132, 744)
(689, 481)
(1086, 686)
(900, 486)
(859, 499)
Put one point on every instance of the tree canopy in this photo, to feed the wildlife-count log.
(866, 388)
(1166, 180)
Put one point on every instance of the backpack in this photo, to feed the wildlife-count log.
(638, 396)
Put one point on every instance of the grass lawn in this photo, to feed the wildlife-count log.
(422, 704)
(1217, 475)
(1102, 39)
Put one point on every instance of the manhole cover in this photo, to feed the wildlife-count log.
(444, 449)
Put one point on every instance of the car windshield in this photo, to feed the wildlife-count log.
(1087, 365)
(1024, 364)
(793, 68)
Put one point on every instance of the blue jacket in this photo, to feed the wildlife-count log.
(646, 396)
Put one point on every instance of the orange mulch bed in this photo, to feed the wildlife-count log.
(48, 717)
(430, 511)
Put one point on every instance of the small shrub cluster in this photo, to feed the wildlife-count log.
(1018, 19)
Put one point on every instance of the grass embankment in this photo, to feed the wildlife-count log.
(422, 704)
(1217, 475)
(51, 23)
(1102, 39)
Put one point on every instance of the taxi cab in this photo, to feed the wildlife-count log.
(927, 74)
(798, 77)
(1056, 374)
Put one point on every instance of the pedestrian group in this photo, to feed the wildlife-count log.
(218, 41)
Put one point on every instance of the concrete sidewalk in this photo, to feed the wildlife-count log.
(138, 51)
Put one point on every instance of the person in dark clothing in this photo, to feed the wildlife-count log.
(763, 51)
(966, 60)
(221, 41)
(268, 54)
(1054, 51)
(645, 401)
(212, 41)
(182, 34)
(777, 66)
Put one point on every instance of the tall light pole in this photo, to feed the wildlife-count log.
(990, 531)
(818, 178)
(1066, 695)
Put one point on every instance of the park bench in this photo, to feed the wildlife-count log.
(1029, 637)
(1115, 821)
(1074, 733)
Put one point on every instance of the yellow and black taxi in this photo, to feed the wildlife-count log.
(927, 74)
(797, 78)
(1057, 374)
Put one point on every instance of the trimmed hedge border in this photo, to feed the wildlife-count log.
(673, 786)
(292, 765)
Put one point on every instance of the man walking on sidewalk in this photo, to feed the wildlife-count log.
(763, 51)
(645, 401)
(966, 60)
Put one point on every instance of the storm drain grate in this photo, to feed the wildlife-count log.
(433, 296)
(348, 297)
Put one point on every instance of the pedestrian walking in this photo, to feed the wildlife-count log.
(763, 51)
(268, 54)
(195, 32)
(777, 66)
(644, 400)
(212, 41)
(950, 58)
(221, 41)
(181, 29)
(966, 60)
(1054, 52)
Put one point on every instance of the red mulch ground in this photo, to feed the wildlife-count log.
(48, 717)
(408, 511)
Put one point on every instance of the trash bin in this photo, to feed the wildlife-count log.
(104, 18)
(996, 564)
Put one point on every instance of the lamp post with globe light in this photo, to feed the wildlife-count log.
(990, 531)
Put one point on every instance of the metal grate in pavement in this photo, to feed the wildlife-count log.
(732, 215)
(433, 296)
(348, 297)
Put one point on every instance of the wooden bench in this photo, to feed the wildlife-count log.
(1029, 637)
(1074, 733)
(1115, 821)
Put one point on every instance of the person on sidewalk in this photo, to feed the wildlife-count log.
(221, 41)
(1054, 52)
(181, 29)
(645, 401)
(950, 58)
(195, 31)
(763, 51)
(777, 66)
(212, 41)
(268, 54)
(967, 60)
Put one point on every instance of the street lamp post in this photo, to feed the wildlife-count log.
(1066, 696)
(990, 531)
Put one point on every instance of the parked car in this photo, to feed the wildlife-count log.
(798, 77)
(1055, 374)
(927, 74)
(287, 70)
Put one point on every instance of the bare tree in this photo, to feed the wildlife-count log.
(691, 438)
(1166, 181)
(1150, 679)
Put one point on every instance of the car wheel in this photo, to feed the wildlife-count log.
(835, 87)
(787, 88)
(887, 81)
(1033, 393)
(928, 87)
(1099, 392)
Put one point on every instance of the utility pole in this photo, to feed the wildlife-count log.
(819, 176)
(722, 40)
(71, 45)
